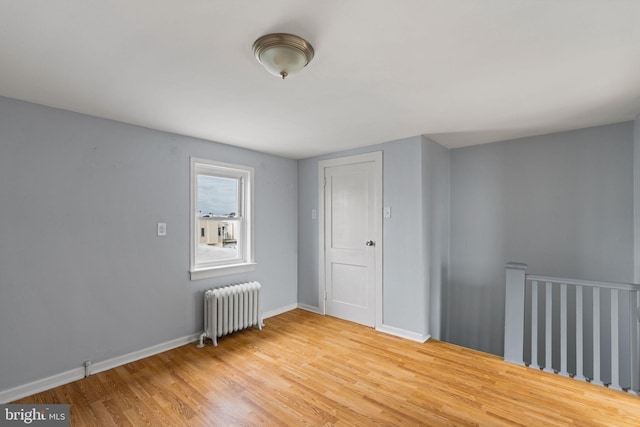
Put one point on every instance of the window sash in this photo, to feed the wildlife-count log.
(242, 221)
(239, 209)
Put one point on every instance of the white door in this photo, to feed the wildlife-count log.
(352, 238)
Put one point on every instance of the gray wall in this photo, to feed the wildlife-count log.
(409, 188)
(82, 274)
(436, 213)
(404, 264)
(561, 203)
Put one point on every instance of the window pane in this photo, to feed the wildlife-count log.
(218, 240)
(217, 196)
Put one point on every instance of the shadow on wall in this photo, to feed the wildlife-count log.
(439, 303)
(479, 310)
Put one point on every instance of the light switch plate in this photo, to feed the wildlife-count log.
(314, 214)
(387, 212)
(162, 229)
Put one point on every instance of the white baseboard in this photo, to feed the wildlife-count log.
(76, 374)
(37, 386)
(402, 333)
(309, 308)
(280, 310)
(62, 378)
(391, 330)
(114, 362)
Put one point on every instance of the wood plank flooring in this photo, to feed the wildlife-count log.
(311, 370)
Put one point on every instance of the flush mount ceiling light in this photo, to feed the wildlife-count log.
(283, 54)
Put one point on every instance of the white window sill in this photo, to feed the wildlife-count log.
(205, 273)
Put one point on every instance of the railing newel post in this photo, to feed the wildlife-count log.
(514, 313)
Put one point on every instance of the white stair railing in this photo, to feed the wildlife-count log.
(525, 311)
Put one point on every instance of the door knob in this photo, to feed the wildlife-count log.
(370, 243)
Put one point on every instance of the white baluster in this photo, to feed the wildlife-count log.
(579, 335)
(548, 312)
(634, 303)
(615, 357)
(596, 337)
(563, 330)
(534, 325)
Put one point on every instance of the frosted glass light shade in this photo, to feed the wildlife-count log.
(282, 59)
(283, 54)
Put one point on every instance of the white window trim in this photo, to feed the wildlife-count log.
(223, 270)
(198, 165)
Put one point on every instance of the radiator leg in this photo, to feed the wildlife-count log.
(215, 340)
(201, 345)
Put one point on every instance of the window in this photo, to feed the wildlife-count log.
(221, 219)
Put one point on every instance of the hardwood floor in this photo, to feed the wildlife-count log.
(306, 369)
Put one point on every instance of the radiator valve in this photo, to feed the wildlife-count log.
(87, 368)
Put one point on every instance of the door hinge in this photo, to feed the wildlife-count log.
(325, 294)
(325, 182)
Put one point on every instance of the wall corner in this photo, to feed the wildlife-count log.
(636, 200)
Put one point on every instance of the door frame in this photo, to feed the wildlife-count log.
(375, 157)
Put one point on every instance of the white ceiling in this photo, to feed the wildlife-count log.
(462, 72)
